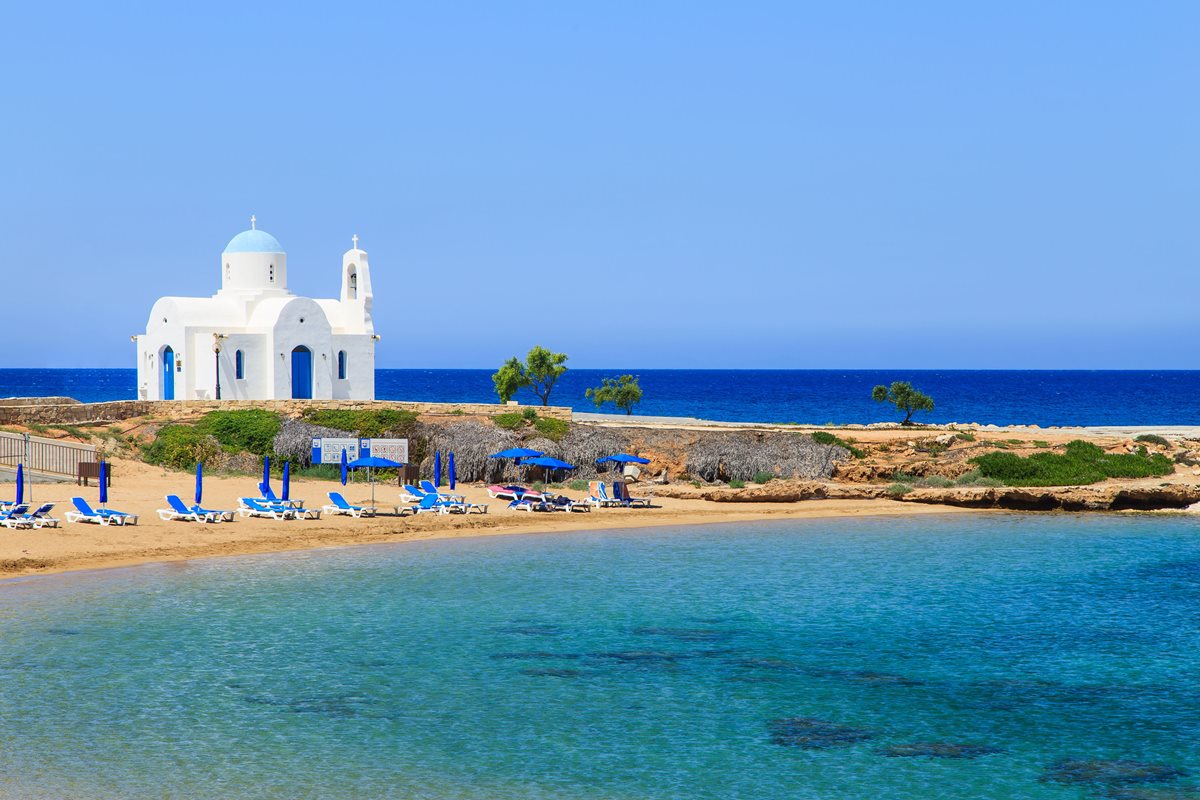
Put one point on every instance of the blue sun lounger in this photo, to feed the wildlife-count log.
(103, 516)
(338, 505)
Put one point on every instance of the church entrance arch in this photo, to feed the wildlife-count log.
(302, 373)
(168, 373)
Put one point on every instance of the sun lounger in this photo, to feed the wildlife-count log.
(428, 487)
(561, 502)
(339, 505)
(622, 496)
(598, 495)
(254, 508)
(102, 516)
(431, 502)
(40, 516)
(411, 494)
(270, 496)
(179, 511)
(223, 516)
(510, 492)
(15, 516)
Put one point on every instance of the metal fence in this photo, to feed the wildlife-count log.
(44, 455)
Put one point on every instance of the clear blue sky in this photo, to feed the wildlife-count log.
(641, 185)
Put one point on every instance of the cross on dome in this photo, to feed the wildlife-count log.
(253, 220)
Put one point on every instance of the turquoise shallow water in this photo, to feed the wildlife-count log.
(642, 664)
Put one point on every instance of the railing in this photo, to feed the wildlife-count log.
(44, 455)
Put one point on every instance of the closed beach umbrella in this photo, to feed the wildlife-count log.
(103, 482)
(266, 481)
(437, 467)
(287, 479)
(199, 482)
(344, 468)
(20, 483)
(450, 470)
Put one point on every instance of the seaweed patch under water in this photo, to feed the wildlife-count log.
(809, 733)
(1110, 772)
(533, 655)
(686, 634)
(938, 750)
(551, 672)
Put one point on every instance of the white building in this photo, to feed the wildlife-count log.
(255, 340)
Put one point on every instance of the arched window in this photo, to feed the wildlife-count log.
(341, 365)
(239, 365)
(271, 273)
(353, 284)
(226, 272)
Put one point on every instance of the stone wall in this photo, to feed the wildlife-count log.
(74, 413)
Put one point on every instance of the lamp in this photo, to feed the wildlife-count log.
(217, 339)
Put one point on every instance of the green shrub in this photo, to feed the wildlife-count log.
(736, 484)
(903, 477)
(1082, 463)
(578, 486)
(181, 447)
(762, 477)
(1153, 438)
(1041, 445)
(696, 484)
(364, 422)
(975, 478)
(510, 422)
(529, 414)
(965, 436)
(825, 437)
(457, 412)
(936, 481)
(251, 430)
(553, 429)
(899, 489)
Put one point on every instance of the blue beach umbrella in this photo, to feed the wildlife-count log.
(345, 471)
(287, 479)
(623, 458)
(370, 463)
(103, 482)
(20, 483)
(437, 467)
(266, 481)
(547, 463)
(517, 453)
(199, 482)
(450, 470)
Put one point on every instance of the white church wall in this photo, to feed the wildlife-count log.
(253, 272)
(302, 323)
(359, 382)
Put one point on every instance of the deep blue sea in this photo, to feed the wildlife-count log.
(1002, 397)
(972, 657)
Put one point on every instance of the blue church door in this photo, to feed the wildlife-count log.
(168, 374)
(301, 373)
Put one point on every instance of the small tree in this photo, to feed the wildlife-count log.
(542, 369)
(623, 392)
(509, 378)
(903, 396)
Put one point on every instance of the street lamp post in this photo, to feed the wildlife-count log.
(217, 337)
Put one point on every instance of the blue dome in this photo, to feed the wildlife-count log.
(254, 241)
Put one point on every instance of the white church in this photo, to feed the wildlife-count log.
(255, 340)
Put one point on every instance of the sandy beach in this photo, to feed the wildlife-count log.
(140, 488)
